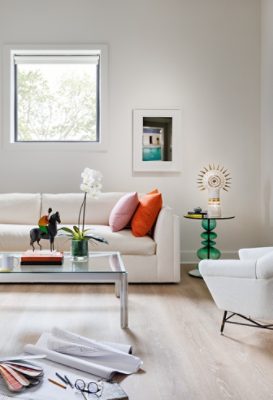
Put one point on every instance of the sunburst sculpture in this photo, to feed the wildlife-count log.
(213, 179)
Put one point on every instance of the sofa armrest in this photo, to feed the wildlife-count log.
(167, 238)
(228, 268)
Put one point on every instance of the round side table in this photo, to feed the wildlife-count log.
(208, 251)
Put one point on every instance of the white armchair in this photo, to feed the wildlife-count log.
(242, 287)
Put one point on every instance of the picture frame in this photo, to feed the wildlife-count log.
(156, 140)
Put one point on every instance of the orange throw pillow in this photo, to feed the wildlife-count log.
(146, 213)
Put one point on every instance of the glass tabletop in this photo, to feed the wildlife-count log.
(98, 262)
(201, 218)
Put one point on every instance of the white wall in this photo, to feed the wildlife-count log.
(267, 122)
(201, 56)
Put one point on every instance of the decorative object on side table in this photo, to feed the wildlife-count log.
(197, 213)
(214, 178)
(91, 184)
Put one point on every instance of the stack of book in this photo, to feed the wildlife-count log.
(199, 214)
(43, 257)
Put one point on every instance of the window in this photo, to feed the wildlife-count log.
(57, 96)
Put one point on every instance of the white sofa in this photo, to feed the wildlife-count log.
(147, 259)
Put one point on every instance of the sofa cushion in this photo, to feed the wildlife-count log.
(123, 211)
(146, 213)
(16, 238)
(123, 241)
(20, 208)
(68, 204)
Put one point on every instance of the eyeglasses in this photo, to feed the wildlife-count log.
(90, 388)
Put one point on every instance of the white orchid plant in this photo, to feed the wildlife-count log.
(91, 185)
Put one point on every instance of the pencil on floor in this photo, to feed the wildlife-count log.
(61, 378)
(68, 381)
(56, 383)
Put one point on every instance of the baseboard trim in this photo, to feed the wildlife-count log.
(190, 257)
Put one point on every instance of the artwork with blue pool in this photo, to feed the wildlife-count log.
(151, 154)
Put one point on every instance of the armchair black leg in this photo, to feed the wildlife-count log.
(250, 322)
(223, 322)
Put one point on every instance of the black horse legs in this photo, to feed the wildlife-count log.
(52, 244)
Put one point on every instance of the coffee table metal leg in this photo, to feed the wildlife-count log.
(124, 300)
(117, 288)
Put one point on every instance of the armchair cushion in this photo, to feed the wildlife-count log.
(228, 268)
(264, 266)
(254, 253)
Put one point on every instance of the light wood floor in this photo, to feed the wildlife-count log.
(174, 329)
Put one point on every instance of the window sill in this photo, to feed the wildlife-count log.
(56, 146)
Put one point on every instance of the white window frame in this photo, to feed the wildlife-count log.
(9, 142)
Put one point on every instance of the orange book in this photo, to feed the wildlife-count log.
(42, 258)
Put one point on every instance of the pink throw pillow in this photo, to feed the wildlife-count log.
(123, 211)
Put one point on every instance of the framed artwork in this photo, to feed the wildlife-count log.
(156, 140)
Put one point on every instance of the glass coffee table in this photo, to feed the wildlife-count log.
(100, 267)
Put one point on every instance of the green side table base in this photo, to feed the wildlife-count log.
(195, 273)
(208, 251)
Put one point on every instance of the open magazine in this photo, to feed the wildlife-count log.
(100, 359)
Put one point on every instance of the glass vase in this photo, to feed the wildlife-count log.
(79, 250)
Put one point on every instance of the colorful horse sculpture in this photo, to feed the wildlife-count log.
(36, 234)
